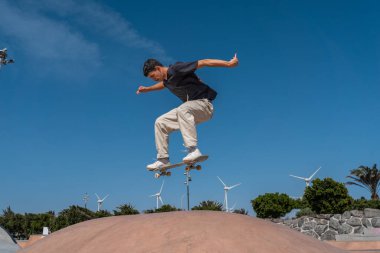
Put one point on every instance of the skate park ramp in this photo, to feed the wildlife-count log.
(7, 244)
(195, 231)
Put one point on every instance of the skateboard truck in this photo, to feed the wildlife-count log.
(163, 171)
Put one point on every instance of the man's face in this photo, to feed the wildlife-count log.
(156, 75)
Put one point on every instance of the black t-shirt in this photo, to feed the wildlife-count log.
(185, 84)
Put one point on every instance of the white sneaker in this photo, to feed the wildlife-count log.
(193, 154)
(158, 164)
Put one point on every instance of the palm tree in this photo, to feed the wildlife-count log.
(209, 205)
(126, 209)
(367, 178)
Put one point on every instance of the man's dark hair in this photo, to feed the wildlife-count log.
(150, 65)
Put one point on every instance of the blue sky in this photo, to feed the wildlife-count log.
(305, 94)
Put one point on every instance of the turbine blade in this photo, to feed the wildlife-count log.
(161, 200)
(235, 185)
(221, 181)
(97, 196)
(314, 173)
(298, 177)
(105, 197)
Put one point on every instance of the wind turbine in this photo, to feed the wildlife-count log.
(232, 209)
(308, 179)
(158, 195)
(100, 201)
(226, 189)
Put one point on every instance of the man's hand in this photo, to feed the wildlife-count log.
(157, 86)
(233, 62)
(141, 89)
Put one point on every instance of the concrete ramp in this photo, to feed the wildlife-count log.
(195, 231)
(7, 244)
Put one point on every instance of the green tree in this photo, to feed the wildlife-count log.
(367, 178)
(71, 216)
(13, 223)
(102, 214)
(163, 209)
(272, 205)
(327, 196)
(34, 223)
(126, 209)
(360, 204)
(209, 205)
(300, 203)
(241, 211)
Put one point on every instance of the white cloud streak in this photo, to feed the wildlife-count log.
(57, 31)
(44, 38)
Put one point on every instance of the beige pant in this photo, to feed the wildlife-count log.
(183, 118)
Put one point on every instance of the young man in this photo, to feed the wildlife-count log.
(197, 106)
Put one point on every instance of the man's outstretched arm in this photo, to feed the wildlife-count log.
(218, 63)
(157, 86)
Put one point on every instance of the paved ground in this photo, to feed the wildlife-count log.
(195, 231)
(358, 247)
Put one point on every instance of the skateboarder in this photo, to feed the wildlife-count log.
(197, 97)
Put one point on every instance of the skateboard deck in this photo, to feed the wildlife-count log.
(163, 171)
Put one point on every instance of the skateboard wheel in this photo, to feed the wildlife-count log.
(198, 167)
(168, 174)
(157, 175)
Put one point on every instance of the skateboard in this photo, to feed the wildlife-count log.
(163, 171)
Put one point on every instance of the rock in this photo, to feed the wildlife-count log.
(301, 221)
(337, 216)
(329, 235)
(375, 222)
(359, 230)
(346, 215)
(334, 223)
(370, 212)
(322, 222)
(297, 229)
(310, 225)
(278, 221)
(323, 216)
(357, 213)
(367, 222)
(311, 233)
(344, 229)
(320, 229)
(354, 221)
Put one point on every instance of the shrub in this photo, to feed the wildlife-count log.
(71, 216)
(126, 209)
(241, 211)
(305, 212)
(209, 205)
(360, 204)
(328, 196)
(272, 205)
(163, 209)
